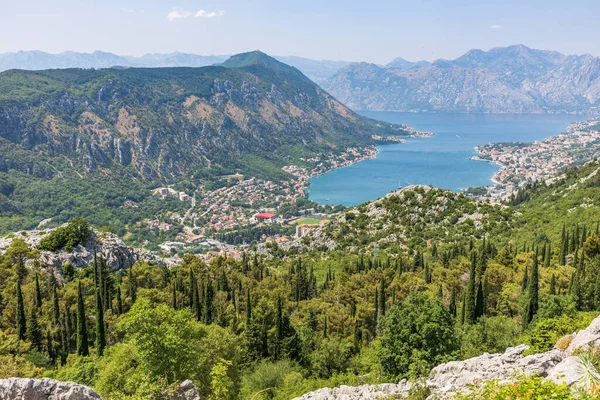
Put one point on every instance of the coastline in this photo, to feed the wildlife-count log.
(526, 162)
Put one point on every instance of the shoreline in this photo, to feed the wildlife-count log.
(525, 162)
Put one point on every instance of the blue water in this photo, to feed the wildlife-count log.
(441, 161)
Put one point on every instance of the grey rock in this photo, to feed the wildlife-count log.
(186, 391)
(567, 371)
(107, 245)
(44, 389)
(587, 338)
(364, 392)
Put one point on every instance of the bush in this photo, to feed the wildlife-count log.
(417, 334)
(66, 237)
(531, 388)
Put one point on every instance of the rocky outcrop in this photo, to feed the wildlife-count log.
(560, 366)
(44, 389)
(105, 244)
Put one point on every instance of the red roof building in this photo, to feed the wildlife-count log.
(265, 216)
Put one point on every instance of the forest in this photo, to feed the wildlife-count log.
(277, 328)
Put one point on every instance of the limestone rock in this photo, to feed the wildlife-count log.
(364, 392)
(107, 245)
(567, 371)
(185, 391)
(44, 389)
(586, 338)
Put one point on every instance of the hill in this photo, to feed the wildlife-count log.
(124, 130)
(514, 79)
(317, 70)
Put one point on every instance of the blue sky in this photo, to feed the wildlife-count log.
(375, 31)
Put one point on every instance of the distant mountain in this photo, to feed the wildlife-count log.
(154, 126)
(401, 63)
(317, 70)
(514, 79)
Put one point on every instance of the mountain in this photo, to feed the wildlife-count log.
(514, 79)
(84, 129)
(317, 70)
(401, 63)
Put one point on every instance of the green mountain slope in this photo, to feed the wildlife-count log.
(131, 129)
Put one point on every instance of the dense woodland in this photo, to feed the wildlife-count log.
(276, 326)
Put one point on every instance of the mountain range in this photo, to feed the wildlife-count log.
(514, 79)
(317, 70)
(65, 128)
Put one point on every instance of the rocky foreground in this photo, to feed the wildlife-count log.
(559, 365)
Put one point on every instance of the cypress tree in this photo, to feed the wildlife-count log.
(525, 281)
(553, 285)
(548, 256)
(325, 327)
(34, 330)
(278, 329)
(208, 305)
(49, 348)
(67, 332)
(132, 289)
(452, 305)
(426, 273)
(82, 336)
(174, 297)
(248, 308)
(382, 298)
(21, 323)
(479, 301)
(119, 301)
(470, 295)
(38, 292)
(55, 307)
(100, 327)
(533, 291)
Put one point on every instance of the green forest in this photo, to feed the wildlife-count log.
(277, 327)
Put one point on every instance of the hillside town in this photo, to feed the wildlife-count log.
(523, 163)
(242, 202)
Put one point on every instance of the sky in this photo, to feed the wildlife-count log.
(374, 31)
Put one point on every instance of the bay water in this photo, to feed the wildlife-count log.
(441, 161)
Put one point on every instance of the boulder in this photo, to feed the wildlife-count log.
(586, 338)
(185, 391)
(567, 371)
(44, 389)
(364, 392)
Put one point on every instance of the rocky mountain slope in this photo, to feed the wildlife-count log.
(561, 365)
(514, 79)
(159, 123)
(317, 70)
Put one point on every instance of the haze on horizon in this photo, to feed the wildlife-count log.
(375, 31)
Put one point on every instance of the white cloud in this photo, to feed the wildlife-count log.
(496, 27)
(206, 14)
(180, 14)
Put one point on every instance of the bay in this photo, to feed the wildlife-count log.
(441, 161)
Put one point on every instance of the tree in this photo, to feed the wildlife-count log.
(418, 333)
(82, 336)
(38, 292)
(533, 291)
(552, 290)
(470, 295)
(100, 328)
(34, 330)
(20, 322)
